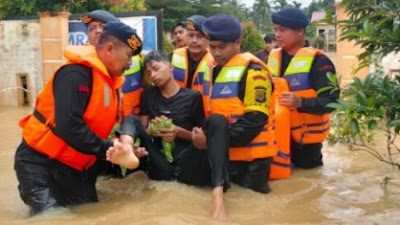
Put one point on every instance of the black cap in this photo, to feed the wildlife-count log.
(291, 18)
(98, 15)
(124, 33)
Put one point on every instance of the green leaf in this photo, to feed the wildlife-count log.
(372, 124)
(324, 89)
(354, 126)
(337, 106)
(332, 78)
(394, 123)
(367, 27)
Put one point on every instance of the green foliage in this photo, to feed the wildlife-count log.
(372, 104)
(367, 106)
(262, 16)
(252, 40)
(167, 46)
(32, 7)
(180, 10)
(129, 6)
(373, 25)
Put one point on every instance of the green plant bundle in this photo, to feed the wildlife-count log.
(168, 146)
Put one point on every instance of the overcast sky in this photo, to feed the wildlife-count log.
(304, 3)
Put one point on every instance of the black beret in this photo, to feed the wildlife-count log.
(195, 23)
(124, 33)
(222, 27)
(291, 18)
(98, 15)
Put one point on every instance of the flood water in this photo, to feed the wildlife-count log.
(346, 190)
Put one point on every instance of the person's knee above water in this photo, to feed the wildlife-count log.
(164, 102)
(95, 21)
(305, 69)
(191, 62)
(65, 138)
(239, 88)
(184, 107)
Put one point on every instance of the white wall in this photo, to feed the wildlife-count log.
(20, 52)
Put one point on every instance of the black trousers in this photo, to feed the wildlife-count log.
(201, 167)
(306, 156)
(46, 183)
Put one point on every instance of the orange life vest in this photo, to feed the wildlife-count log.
(281, 164)
(132, 88)
(305, 128)
(223, 99)
(100, 114)
(181, 69)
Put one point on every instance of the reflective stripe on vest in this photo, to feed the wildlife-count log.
(132, 88)
(181, 68)
(306, 128)
(223, 98)
(38, 128)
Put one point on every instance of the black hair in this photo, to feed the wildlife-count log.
(155, 56)
(177, 24)
(269, 38)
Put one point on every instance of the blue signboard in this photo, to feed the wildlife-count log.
(146, 27)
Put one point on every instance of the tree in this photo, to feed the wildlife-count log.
(373, 104)
(178, 10)
(32, 7)
(252, 40)
(128, 6)
(262, 15)
(373, 25)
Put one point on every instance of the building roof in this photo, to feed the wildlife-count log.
(317, 15)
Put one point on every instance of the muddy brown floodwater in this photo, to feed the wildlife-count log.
(346, 190)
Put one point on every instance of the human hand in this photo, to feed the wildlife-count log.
(290, 99)
(199, 139)
(140, 152)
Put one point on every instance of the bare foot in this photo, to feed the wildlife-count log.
(218, 207)
(122, 154)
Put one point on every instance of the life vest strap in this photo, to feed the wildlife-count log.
(42, 119)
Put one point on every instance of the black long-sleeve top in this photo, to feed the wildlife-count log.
(319, 68)
(72, 87)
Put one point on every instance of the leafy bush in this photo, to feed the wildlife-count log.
(365, 107)
(252, 40)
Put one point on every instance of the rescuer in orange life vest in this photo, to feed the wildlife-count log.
(237, 90)
(65, 138)
(305, 69)
(191, 62)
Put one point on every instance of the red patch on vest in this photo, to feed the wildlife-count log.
(83, 88)
(259, 77)
(326, 67)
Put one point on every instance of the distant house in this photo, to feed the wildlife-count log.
(325, 33)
